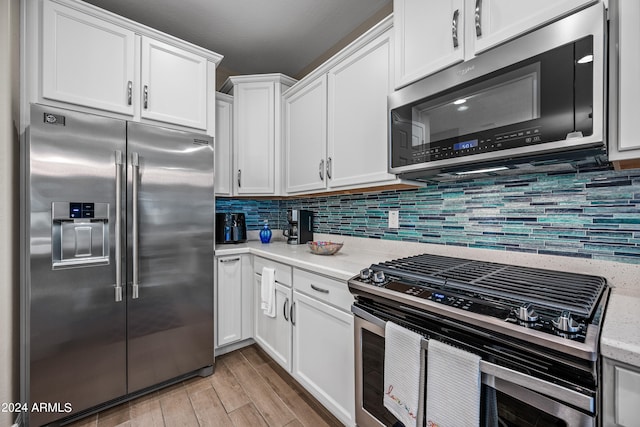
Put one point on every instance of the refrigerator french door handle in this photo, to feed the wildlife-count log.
(118, 230)
(135, 165)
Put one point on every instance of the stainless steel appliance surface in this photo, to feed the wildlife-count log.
(536, 330)
(300, 227)
(117, 273)
(538, 100)
(231, 227)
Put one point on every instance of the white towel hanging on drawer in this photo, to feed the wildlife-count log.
(268, 291)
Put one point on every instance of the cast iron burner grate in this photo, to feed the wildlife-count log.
(553, 290)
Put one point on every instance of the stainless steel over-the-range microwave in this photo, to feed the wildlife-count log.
(540, 97)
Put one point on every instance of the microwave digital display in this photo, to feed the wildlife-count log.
(465, 145)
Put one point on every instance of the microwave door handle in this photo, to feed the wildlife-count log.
(454, 28)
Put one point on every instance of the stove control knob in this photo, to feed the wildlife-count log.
(566, 323)
(365, 274)
(378, 277)
(526, 313)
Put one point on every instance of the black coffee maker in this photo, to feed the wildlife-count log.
(300, 229)
(231, 228)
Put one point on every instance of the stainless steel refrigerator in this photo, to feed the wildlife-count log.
(117, 261)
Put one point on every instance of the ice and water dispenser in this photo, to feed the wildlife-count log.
(80, 234)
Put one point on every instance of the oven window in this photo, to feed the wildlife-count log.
(373, 378)
(502, 410)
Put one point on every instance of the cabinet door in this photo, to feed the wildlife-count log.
(223, 143)
(86, 61)
(357, 115)
(174, 85)
(625, 86)
(306, 137)
(502, 20)
(429, 36)
(273, 334)
(323, 354)
(254, 137)
(229, 304)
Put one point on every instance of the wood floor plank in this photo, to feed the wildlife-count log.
(229, 391)
(146, 411)
(116, 416)
(208, 408)
(247, 415)
(293, 398)
(255, 356)
(271, 407)
(90, 421)
(177, 410)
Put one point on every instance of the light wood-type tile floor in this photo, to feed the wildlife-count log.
(247, 389)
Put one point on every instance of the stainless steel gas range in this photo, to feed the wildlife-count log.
(536, 330)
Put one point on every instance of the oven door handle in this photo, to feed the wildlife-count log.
(495, 374)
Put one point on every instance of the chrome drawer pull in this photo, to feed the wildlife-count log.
(317, 289)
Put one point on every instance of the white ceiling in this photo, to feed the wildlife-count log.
(255, 36)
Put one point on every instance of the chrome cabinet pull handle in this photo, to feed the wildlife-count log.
(329, 167)
(118, 230)
(145, 97)
(129, 92)
(135, 165)
(284, 309)
(239, 178)
(454, 28)
(317, 289)
(478, 18)
(293, 307)
(321, 170)
(230, 260)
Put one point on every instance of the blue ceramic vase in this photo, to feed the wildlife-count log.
(265, 233)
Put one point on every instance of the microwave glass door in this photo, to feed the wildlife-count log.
(542, 99)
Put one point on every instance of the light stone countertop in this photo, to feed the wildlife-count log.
(620, 337)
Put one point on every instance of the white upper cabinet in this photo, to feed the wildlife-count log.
(496, 21)
(434, 34)
(85, 58)
(86, 61)
(174, 85)
(257, 132)
(429, 36)
(357, 115)
(624, 144)
(223, 144)
(306, 137)
(336, 119)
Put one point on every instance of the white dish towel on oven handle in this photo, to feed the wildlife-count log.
(268, 291)
(404, 374)
(453, 386)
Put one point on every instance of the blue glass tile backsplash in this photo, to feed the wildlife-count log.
(588, 215)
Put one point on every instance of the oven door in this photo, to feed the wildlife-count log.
(508, 399)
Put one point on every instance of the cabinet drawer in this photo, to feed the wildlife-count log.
(322, 288)
(283, 271)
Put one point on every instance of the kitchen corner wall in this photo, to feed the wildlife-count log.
(588, 215)
(9, 220)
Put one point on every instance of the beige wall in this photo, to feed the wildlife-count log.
(9, 260)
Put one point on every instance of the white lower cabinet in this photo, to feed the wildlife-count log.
(621, 394)
(234, 311)
(311, 335)
(323, 354)
(273, 334)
